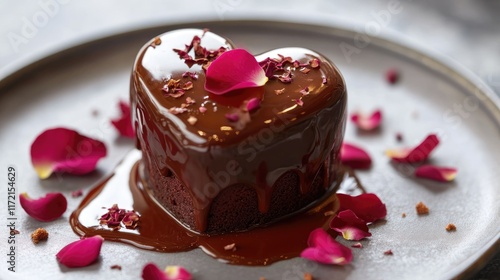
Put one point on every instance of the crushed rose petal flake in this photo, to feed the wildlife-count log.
(115, 218)
(388, 252)
(279, 91)
(357, 245)
(76, 193)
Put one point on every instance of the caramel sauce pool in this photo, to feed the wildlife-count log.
(159, 231)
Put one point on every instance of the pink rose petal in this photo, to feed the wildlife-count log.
(124, 123)
(367, 206)
(436, 173)
(417, 154)
(81, 253)
(392, 76)
(45, 209)
(232, 70)
(152, 272)
(253, 104)
(350, 226)
(324, 249)
(365, 122)
(65, 150)
(354, 157)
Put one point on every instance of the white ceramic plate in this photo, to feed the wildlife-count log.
(65, 88)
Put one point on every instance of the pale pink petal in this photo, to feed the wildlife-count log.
(367, 206)
(81, 253)
(365, 122)
(124, 123)
(65, 150)
(350, 226)
(354, 157)
(232, 70)
(420, 153)
(45, 209)
(152, 272)
(436, 173)
(324, 249)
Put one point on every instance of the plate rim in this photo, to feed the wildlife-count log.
(13, 73)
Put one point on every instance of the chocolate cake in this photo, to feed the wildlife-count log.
(213, 164)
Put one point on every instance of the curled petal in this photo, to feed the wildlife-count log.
(368, 207)
(45, 209)
(152, 272)
(436, 173)
(253, 104)
(232, 70)
(365, 122)
(417, 154)
(354, 157)
(65, 150)
(350, 226)
(324, 249)
(124, 123)
(81, 253)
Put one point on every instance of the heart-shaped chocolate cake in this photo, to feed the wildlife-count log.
(231, 141)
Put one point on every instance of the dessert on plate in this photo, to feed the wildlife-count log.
(222, 158)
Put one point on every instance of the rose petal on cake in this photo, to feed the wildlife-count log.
(234, 69)
(152, 272)
(81, 253)
(45, 209)
(354, 157)
(65, 150)
(324, 249)
(124, 123)
(367, 122)
(420, 153)
(350, 226)
(368, 206)
(253, 104)
(436, 173)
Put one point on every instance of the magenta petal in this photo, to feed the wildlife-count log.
(354, 157)
(436, 173)
(367, 206)
(417, 154)
(45, 209)
(253, 104)
(324, 249)
(350, 226)
(152, 272)
(65, 150)
(124, 123)
(232, 70)
(367, 122)
(81, 253)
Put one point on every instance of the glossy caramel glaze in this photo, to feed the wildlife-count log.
(257, 149)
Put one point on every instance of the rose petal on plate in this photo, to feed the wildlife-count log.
(420, 153)
(124, 123)
(45, 209)
(253, 104)
(65, 150)
(324, 249)
(354, 157)
(366, 122)
(232, 70)
(368, 206)
(81, 253)
(350, 226)
(392, 76)
(152, 272)
(436, 173)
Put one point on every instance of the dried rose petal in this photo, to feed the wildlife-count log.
(417, 154)
(299, 102)
(253, 104)
(202, 109)
(124, 123)
(152, 272)
(354, 157)
(232, 117)
(367, 206)
(234, 69)
(357, 245)
(350, 226)
(324, 249)
(365, 122)
(436, 173)
(81, 253)
(65, 150)
(76, 193)
(45, 209)
(392, 76)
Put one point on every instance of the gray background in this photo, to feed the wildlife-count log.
(466, 31)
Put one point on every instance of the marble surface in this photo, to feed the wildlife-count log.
(467, 31)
